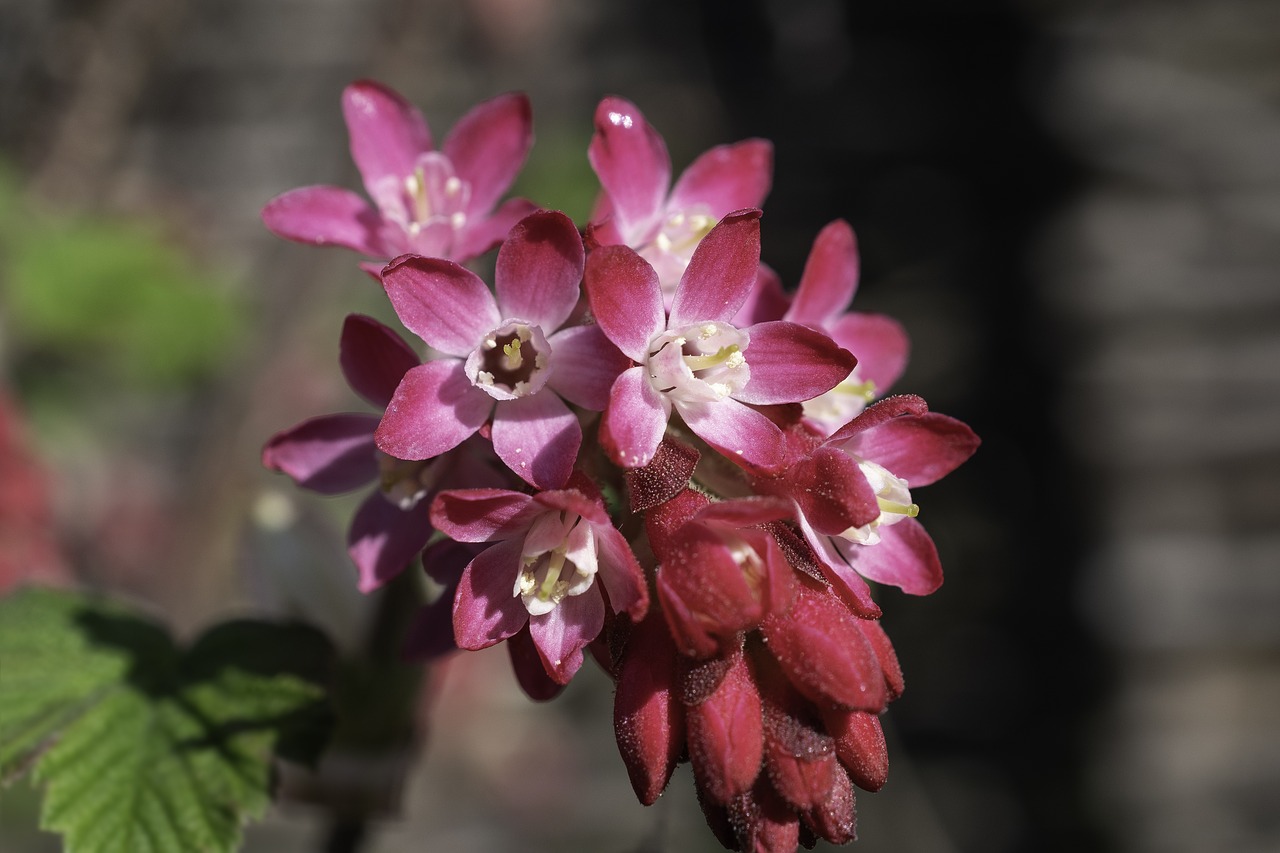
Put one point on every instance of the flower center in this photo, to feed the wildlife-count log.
(670, 250)
(841, 404)
(893, 497)
(404, 483)
(428, 204)
(699, 363)
(558, 560)
(512, 361)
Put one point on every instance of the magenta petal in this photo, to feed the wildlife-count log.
(766, 301)
(387, 132)
(446, 305)
(921, 450)
(384, 539)
(635, 421)
(584, 366)
(538, 438)
(737, 431)
(904, 557)
(879, 342)
(625, 298)
(483, 515)
(486, 609)
(374, 358)
(721, 272)
(631, 161)
(488, 146)
(530, 671)
(479, 235)
(329, 454)
(791, 363)
(562, 634)
(726, 178)
(620, 573)
(435, 408)
(326, 216)
(539, 270)
(829, 279)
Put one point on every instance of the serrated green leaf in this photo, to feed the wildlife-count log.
(141, 746)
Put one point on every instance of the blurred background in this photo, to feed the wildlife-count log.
(1073, 207)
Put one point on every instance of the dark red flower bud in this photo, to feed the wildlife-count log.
(860, 745)
(648, 716)
(725, 735)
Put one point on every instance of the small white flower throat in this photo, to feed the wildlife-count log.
(558, 560)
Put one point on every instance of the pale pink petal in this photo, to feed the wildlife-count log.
(482, 233)
(791, 363)
(829, 279)
(434, 409)
(483, 515)
(880, 344)
(387, 132)
(631, 161)
(737, 431)
(446, 305)
(329, 454)
(488, 146)
(539, 270)
(625, 298)
(384, 539)
(486, 609)
(374, 358)
(538, 438)
(721, 272)
(584, 366)
(635, 421)
(921, 449)
(326, 216)
(726, 178)
(562, 634)
(904, 557)
(620, 573)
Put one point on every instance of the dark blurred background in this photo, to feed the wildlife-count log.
(1073, 207)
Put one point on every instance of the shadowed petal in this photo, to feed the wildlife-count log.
(326, 216)
(446, 305)
(635, 421)
(738, 431)
(848, 584)
(726, 178)
(374, 358)
(435, 408)
(488, 146)
(791, 363)
(631, 161)
(904, 557)
(562, 634)
(530, 671)
(879, 342)
(766, 301)
(387, 132)
(539, 270)
(721, 272)
(538, 438)
(625, 298)
(482, 515)
(585, 365)
(480, 233)
(829, 279)
(329, 454)
(383, 539)
(620, 573)
(485, 608)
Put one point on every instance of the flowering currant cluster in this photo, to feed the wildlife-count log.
(634, 444)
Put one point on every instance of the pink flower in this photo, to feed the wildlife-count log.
(636, 210)
(556, 561)
(502, 357)
(693, 361)
(428, 202)
(332, 454)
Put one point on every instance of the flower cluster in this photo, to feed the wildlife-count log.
(635, 445)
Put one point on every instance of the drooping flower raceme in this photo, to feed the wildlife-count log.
(437, 203)
(504, 356)
(635, 208)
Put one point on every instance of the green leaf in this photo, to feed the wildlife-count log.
(142, 746)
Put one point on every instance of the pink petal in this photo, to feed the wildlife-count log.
(326, 216)
(726, 178)
(483, 515)
(625, 298)
(921, 450)
(631, 161)
(620, 572)
(482, 233)
(585, 365)
(562, 634)
(721, 272)
(446, 305)
(384, 539)
(485, 607)
(329, 454)
(387, 132)
(791, 363)
(539, 269)
(538, 438)
(737, 431)
(904, 557)
(488, 146)
(434, 409)
(879, 342)
(374, 358)
(635, 421)
(829, 279)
